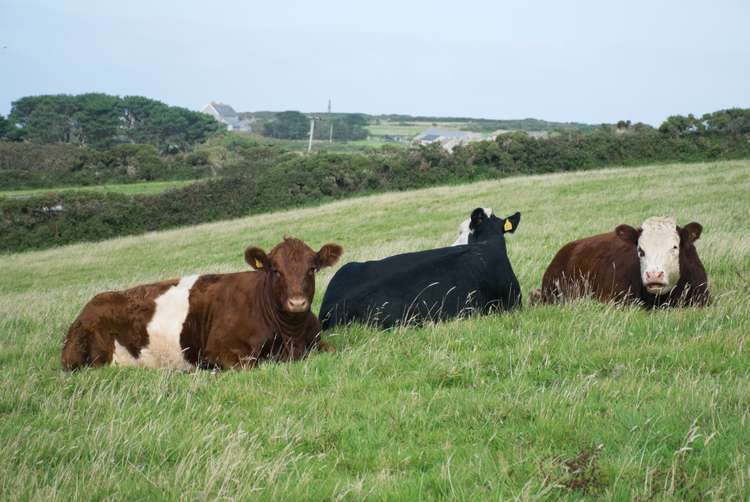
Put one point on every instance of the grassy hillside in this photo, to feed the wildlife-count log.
(569, 401)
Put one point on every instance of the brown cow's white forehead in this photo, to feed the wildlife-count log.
(659, 233)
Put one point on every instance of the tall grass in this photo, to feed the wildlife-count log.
(581, 400)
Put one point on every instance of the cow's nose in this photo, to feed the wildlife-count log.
(655, 276)
(297, 304)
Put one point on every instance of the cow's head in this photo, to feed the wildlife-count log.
(484, 226)
(291, 268)
(659, 243)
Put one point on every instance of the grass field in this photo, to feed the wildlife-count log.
(582, 400)
(409, 129)
(146, 187)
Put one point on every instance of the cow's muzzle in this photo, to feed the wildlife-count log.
(297, 304)
(658, 288)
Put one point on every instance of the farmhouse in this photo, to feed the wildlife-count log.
(446, 137)
(227, 116)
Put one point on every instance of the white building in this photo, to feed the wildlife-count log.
(448, 138)
(227, 116)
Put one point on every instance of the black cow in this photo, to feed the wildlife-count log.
(428, 285)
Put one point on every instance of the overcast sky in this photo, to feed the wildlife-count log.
(597, 61)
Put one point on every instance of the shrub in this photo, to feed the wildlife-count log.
(262, 179)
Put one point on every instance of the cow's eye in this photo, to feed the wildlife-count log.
(640, 252)
(275, 272)
(312, 270)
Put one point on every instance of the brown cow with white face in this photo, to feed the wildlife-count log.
(211, 321)
(654, 265)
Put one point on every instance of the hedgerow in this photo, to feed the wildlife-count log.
(263, 181)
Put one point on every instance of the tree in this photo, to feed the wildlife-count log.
(733, 121)
(677, 125)
(349, 127)
(100, 121)
(44, 119)
(3, 127)
(96, 120)
(353, 127)
(288, 125)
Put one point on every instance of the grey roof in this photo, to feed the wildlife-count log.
(428, 137)
(224, 110)
(435, 132)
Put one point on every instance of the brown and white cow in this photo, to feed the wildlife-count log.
(654, 265)
(210, 321)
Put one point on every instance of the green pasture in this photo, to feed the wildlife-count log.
(576, 401)
(409, 129)
(143, 188)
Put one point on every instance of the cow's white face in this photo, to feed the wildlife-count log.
(659, 253)
(464, 231)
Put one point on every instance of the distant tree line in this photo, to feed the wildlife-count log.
(733, 121)
(100, 121)
(266, 178)
(489, 125)
(296, 125)
(26, 165)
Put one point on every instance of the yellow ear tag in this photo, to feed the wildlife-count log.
(258, 263)
(508, 226)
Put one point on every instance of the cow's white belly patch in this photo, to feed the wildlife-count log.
(121, 356)
(163, 349)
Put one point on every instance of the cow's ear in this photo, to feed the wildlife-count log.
(328, 255)
(628, 234)
(256, 258)
(477, 217)
(690, 232)
(511, 223)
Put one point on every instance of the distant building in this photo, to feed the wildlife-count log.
(227, 116)
(448, 138)
(394, 138)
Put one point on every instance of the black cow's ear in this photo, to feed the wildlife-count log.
(328, 255)
(628, 234)
(511, 223)
(690, 232)
(477, 217)
(256, 258)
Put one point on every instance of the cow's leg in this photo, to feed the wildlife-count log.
(315, 337)
(230, 354)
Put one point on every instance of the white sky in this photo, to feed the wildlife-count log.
(588, 61)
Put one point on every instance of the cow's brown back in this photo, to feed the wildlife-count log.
(603, 266)
(109, 317)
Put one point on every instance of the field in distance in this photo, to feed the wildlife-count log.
(143, 188)
(409, 129)
(582, 400)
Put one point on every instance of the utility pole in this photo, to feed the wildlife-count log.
(330, 133)
(312, 130)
